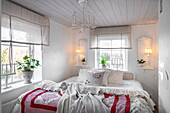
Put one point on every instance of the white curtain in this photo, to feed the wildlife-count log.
(20, 25)
(121, 35)
(5, 29)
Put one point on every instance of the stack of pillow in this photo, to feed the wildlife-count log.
(100, 77)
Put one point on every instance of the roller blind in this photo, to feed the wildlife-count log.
(120, 35)
(20, 25)
(5, 27)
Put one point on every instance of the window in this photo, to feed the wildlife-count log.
(117, 57)
(112, 43)
(23, 32)
(12, 52)
(14, 49)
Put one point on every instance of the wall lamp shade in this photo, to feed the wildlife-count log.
(78, 51)
(148, 51)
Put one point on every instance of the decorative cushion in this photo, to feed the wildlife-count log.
(115, 77)
(95, 77)
(92, 77)
(106, 74)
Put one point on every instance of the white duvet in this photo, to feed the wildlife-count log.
(127, 84)
(89, 99)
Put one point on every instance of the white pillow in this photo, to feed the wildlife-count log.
(115, 77)
(93, 77)
(83, 75)
(106, 74)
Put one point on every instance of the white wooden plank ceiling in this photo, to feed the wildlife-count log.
(106, 12)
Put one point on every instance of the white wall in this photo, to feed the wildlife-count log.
(164, 58)
(58, 57)
(148, 78)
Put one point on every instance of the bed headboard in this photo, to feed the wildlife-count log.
(128, 76)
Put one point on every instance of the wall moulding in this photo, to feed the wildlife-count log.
(144, 51)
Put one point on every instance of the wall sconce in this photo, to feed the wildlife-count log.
(148, 52)
(78, 51)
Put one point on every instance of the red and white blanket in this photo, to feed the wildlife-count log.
(117, 103)
(40, 101)
(44, 101)
(76, 98)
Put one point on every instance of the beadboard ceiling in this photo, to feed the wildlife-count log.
(106, 12)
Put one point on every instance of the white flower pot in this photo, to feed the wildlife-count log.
(83, 63)
(140, 65)
(27, 75)
(103, 66)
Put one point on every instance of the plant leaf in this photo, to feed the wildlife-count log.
(33, 60)
(19, 68)
(107, 58)
(25, 69)
(19, 63)
(37, 64)
(28, 63)
(25, 57)
(32, 67)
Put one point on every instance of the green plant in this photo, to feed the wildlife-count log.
(4, 55)
(28, 64)
(83, 59)
(103, 60)
(141, 61)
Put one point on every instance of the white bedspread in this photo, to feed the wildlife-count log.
(91, 96)
(127, 84)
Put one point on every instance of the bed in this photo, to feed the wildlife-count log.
(71, 96)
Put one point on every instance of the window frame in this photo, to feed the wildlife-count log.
(97, 55)
(12, 64)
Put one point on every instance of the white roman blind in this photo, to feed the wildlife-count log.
(20, 25)
(120, 35)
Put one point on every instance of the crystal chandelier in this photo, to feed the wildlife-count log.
(84, 24)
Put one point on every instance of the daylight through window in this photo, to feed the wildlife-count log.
(118, 58)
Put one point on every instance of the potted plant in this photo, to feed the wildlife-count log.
(83, 61)
(141, 62)
(27, 68)
(103, 61)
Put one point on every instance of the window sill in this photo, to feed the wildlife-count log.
(18, 85)
(145, 68)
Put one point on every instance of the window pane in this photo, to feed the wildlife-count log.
(108, 64)
(118, 58)
(5, 53)
(19, 51)
(105, 53)
(4, 61)
(116, 54)
(2, 80)
(38, 56)
(5, 33)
